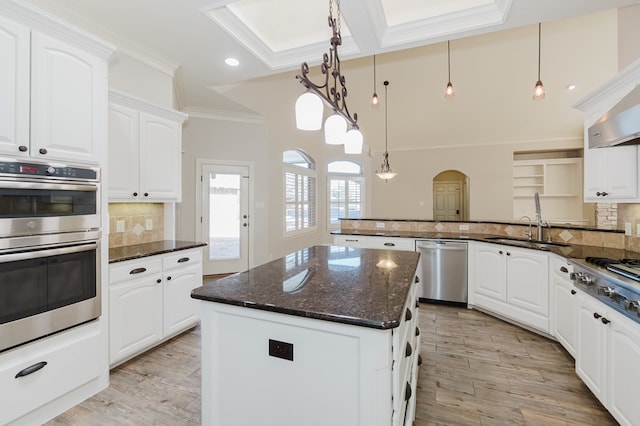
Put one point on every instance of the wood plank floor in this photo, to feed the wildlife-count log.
(477, 370)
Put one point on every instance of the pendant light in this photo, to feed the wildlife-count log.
(374, 98)
(385, 171)
(330, 91)
(448, 93)
(538, 89)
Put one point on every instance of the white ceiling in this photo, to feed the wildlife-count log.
(193, 37)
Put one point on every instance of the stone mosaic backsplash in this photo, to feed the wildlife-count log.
(135, 219)
(566, 235)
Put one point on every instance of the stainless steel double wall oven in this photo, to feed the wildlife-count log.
(49, 249)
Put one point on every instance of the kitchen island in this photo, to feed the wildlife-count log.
(323, 336)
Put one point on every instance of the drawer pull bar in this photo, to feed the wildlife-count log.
(408, 350)
(183, 259)
(31, 369)
(389, 244)
(407, 392)
(137, 271)
(563, 269)
(408, 315)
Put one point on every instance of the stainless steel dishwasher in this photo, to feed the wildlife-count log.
(443, 271)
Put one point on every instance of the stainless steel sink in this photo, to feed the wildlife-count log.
(540, 245)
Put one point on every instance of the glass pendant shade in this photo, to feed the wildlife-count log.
(449, 93)
(335, 129)
(353, 142)
(538, 91)
(309, 109)
(374, 100)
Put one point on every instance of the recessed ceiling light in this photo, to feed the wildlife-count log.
(232, 62)
(571, 87)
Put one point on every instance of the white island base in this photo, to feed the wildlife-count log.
(267, 368)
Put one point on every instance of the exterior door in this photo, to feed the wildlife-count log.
(446, 200)
(225, 218)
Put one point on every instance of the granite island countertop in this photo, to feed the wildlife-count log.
(136, 251)
(362, 287)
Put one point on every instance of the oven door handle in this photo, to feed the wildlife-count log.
(9, 184)
(52, 251)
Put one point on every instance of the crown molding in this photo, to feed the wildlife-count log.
(125, 99)
(212, 114)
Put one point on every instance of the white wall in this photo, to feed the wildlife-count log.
(628, 35)
(491, 116)
(140, 80)
(215, 139)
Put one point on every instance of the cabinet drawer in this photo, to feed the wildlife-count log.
(132, 269)
(391, 243)
(350, 240)
(182, 258)
(72, 359)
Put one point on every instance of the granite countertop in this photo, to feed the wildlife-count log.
(339, 284)
(136, 251)
(575, 251)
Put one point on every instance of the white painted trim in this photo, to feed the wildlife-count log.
(624, 81)
(213, 114)
(125, 99)
(38, 20)
(200, 162)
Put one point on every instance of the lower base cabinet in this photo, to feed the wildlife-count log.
(269, 368)
(74, 368)
(607, 358)
(150, 301)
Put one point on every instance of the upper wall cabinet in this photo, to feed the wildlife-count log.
(610, 174)
(145, 143)
(54, 92)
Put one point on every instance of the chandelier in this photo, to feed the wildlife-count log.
(331, 92)
(385, 171)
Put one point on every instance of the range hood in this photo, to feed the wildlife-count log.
(620, 125)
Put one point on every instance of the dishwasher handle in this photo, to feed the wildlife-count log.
(441, 245)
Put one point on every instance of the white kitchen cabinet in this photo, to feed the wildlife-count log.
(150, 301)
(14, 86)
(591, 354)
(73, 367)
(612, 174)
(182, 272)
(511, 282)
(565, 304)
(54, 97)
(607, 356)
(145, 144)
(623, 374)
(135, 307)
(350, 240)
(390, 243)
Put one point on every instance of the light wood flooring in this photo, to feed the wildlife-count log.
(477, 370)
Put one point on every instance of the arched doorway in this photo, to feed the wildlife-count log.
(451, 196)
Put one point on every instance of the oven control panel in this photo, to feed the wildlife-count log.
(47, 170)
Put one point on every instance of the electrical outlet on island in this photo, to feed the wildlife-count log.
(148, 224)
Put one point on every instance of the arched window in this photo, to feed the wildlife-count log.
(345, 192)
(299, 192)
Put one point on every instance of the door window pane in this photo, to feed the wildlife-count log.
(224, 219)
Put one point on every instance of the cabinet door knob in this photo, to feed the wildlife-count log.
(417, 279)
(408, 350)
(602, 194)
(146, 194)
(158, 281)
(23, 148)
(42, 151)
(604, 320)
(508, 253)
(135, 194)
(169, 278)
(597, 315)
(573, 292)
(417, 331)
(499, 251)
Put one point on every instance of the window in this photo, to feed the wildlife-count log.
(345, 192)
(300, 192)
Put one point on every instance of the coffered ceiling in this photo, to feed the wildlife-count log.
(194, 37)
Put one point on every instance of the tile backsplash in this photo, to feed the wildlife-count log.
(135, 223)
